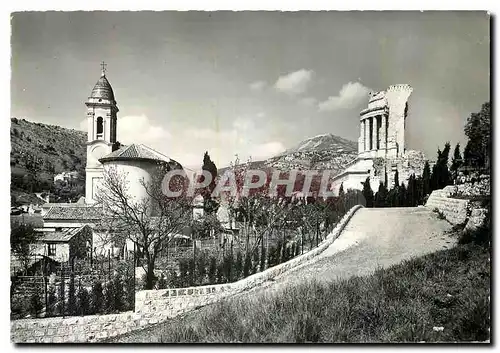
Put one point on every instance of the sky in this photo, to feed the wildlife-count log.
(250, 83)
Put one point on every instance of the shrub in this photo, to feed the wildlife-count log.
(72, 310)
(109, 297)
(212, 271)
(96, 297)
(36, 305)
(83, 301)
(247, 266)
(238, 266)
(118, 293)
(255, 262)
(51, 300)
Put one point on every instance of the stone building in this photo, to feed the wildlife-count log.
(381, 143)
(138, 162)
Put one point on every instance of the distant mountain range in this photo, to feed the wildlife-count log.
(322, 152)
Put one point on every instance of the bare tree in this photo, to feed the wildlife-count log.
(150, 221)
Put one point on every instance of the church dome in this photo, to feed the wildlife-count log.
(103, 90)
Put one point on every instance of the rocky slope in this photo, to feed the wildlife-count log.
(43, 150)
(320, 152)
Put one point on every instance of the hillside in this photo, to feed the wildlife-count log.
(43, 150)
(320, 152)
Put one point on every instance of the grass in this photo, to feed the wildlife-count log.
(403, 303)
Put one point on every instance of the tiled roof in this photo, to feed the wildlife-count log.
(63, 235)
(88, 213)
(136, 151)
(102, 89)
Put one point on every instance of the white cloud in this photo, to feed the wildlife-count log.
(351, 94)
(266, 150)
(139, 129)
(308, 101)
(258, 85)
(295, 82)
(136, 129)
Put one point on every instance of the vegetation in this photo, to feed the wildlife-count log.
(404, 303)
(22, 236)
(39, 151)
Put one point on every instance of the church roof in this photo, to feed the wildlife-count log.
(103, 90)
(88, 213)
(137, 151)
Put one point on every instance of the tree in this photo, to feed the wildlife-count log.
(456, 162)
(396, 178)
(151, 222)
(210, 205)
(411, 192)
(109, 297)
(36, 305)
(22, 239)
(96, 297)
(83, 301)
(402, 199)
(381, 196)
(72, 310)
(478, 130)
(341, 190)
(426, 179)
(118, 293)
(368, 192)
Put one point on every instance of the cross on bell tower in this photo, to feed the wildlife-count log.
(103, 68)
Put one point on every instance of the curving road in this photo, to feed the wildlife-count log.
(373, 238)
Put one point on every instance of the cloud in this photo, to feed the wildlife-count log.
(308, 101)
(136, 129)
(266, 150)
(261, 115)
(258, 85)
(295, 82)
(351, 94)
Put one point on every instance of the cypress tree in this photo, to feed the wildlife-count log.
(72, 310)
(83, 301)
(456, 161)
(426, 179)
(402, 195)
(396, 178)
(212, 270)
(118, 293)
(368, 192)
(381, 196)
(109, 297)
(96, 297)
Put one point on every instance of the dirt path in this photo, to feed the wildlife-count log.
(373, 238)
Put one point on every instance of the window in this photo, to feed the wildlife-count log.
(52, 249)
(100, 128)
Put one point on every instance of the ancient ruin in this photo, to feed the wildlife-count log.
(381, 143)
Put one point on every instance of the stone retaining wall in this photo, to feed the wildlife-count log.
(455, 210)
(153, 306)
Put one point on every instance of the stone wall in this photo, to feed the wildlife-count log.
(456, 211)
(153, 306)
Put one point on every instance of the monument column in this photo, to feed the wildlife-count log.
(367, 134)
(361, 141)
(383, 129)
(374, 132)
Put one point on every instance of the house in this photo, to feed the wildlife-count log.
(64, 244)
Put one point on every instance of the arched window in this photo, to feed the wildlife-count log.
(100, 128)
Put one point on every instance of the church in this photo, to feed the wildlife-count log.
(136, 161)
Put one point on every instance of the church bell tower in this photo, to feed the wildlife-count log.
(101, 131)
